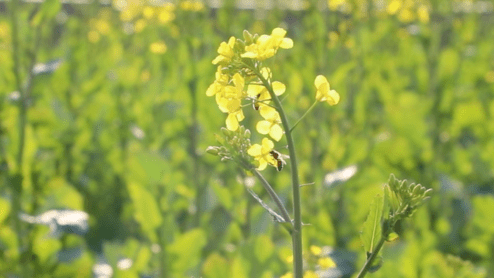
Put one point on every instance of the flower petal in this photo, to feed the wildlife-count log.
(276, 132)
(333, 97)
(278, 88)
(263, 127)
(267, 144)
(231, 122)
(254, 150)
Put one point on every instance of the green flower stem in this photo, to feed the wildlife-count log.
(305, 114)
(371, 259)
(297, 225)
(273, 195)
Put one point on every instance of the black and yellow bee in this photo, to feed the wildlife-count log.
(280, 162)
(255, 103)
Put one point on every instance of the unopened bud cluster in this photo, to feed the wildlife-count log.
(234, 146)
(405, 197)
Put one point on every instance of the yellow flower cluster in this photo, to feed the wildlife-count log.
(141, 12)
(99, 26)
(408, 10)
(240, 77)
(323, 262)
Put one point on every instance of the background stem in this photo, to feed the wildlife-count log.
(16, 181)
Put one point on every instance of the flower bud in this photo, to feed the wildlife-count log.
(239, 45)
(213, 150)
(248, 37)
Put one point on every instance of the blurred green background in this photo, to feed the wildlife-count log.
(105, 112)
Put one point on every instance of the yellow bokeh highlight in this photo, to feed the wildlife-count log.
(326, 263)
(316, 250)
(93, 36)
(158, 47)
(489, 77)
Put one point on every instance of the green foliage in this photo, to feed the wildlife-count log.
(372, 230)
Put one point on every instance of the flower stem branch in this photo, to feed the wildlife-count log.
(273, 195)
(303, 116)
(371, 258)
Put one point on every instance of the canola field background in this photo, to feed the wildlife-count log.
(104, 118)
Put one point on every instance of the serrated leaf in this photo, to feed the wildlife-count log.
(372, 230)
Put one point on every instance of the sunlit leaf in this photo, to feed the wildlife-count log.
(372, 230)
(146, 210)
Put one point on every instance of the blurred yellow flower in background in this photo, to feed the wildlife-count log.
(158, 47)
(316, 250)
(326, 263)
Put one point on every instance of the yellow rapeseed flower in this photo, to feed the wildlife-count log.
(219, 83)
(229, 98)
(148, 12)
(158, 47)
(326, 263)
(233, 119)
(165, 14)
(310, 274)
(267, 45)
(335, 4)
(324, 93)
(287, 275)
(226, 52)
(139, 25)
(261, 153)
(93, 36)
(271, 123)
(406, 15)
(316, 250)
(423, 14)
(394, 6)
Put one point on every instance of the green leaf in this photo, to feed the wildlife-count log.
(215, 266)
(49, 10)
(153, 165)
(240, 267)
(4, 209)
(372, 230)
(223, 195)
(186, 251)
(146, 210)
(263, 248)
